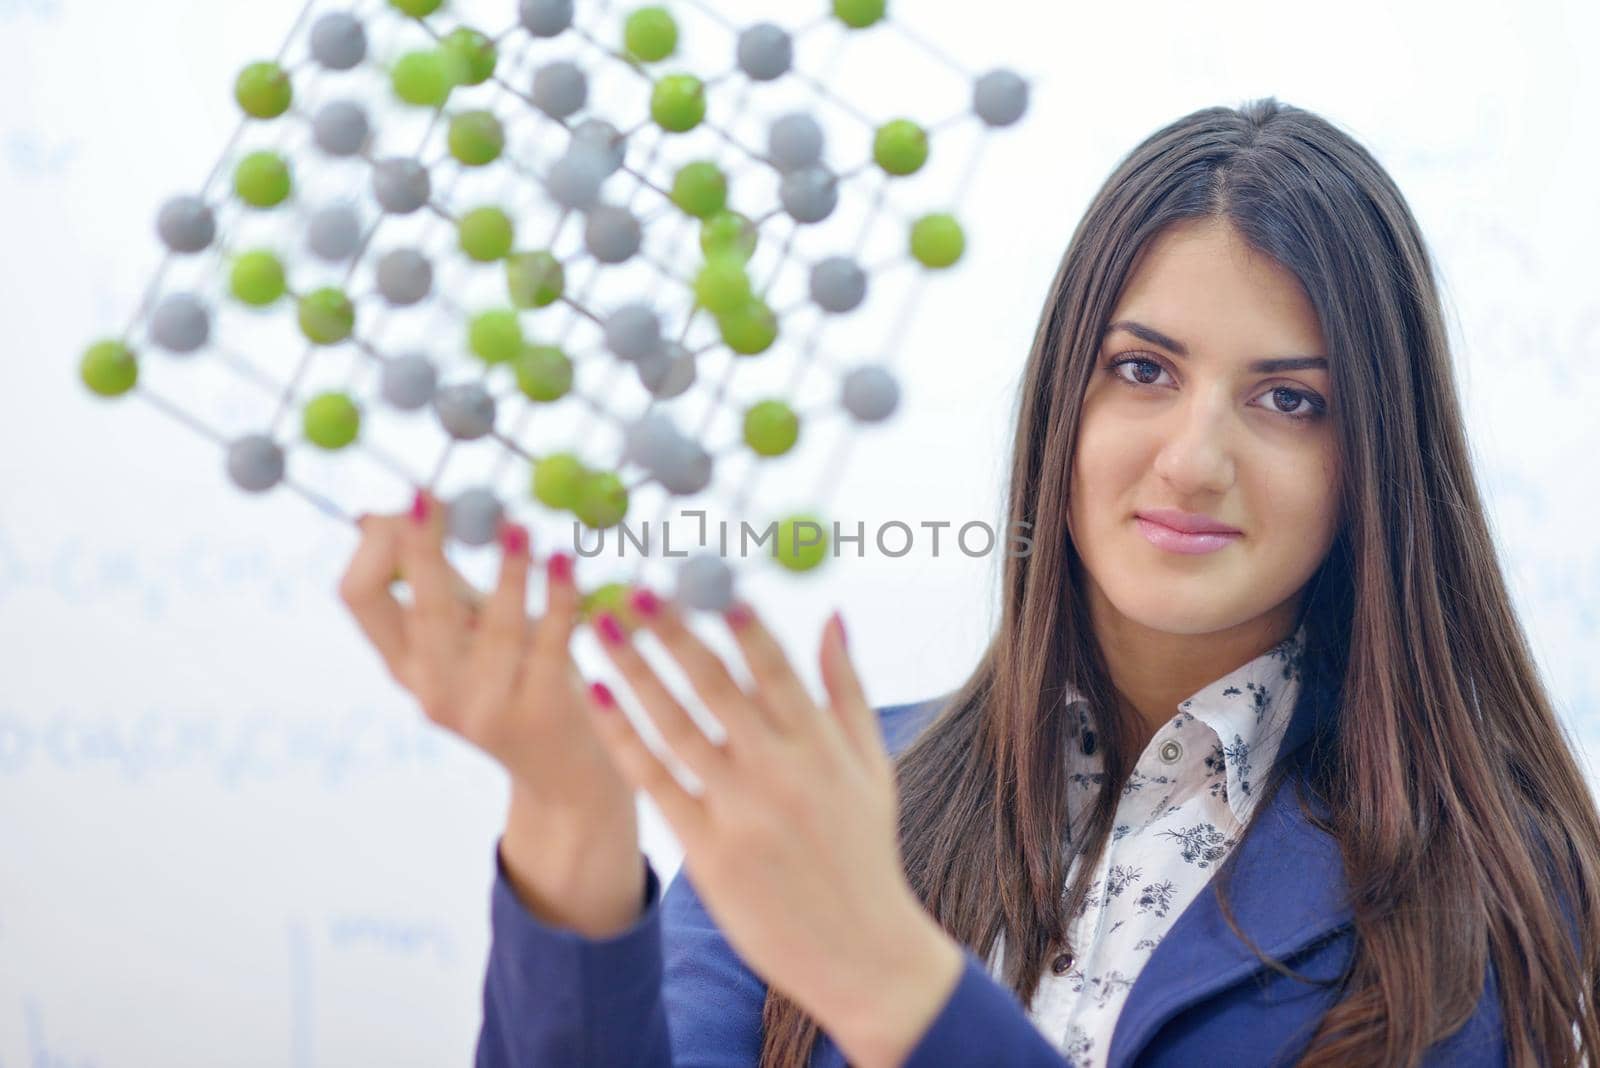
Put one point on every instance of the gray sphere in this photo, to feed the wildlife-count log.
(408, 381)
(683, 467)
(340, 128)
(334, 232)
(180, 323)
(338, 41)
(666, 372)
(612, 234)
(404, 276)
(794, 141)
(574, 179)
(765, 52)
(648, 438)
(560, 89)
(633, 331)
(606, 138)
(465, 409)
(546, 18)
(870, 394)
(1000, 97)
(705, 581)
(473, 516)
(838, 284)
(255, 463)
(401, 185)
(185, 224)
(810, 194)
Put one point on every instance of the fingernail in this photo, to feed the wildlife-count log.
(838, 621)
(602, 695)
(419, 508)
(609, 628)
(645, 602)
(737, 615)
(361, 520)
(514, 539)
(559, 567)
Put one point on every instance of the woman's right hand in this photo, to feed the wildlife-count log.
(479, 665)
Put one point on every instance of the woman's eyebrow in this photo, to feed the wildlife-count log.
(1156, 337)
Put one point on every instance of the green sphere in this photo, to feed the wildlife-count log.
(417, 8)
(700, 189)
(678, 103)
(557, 478)
(544, 373)
(859, 14)
(495, 336)
(722, 286)
(257, 278)
(486, 234)
(610, 597)
(262, 179)
(771, 427)
(900, 147)
(937, 240)
(471, 56)
(476, 138)
(422, 78)
(602, 500)
(650, 34)
(108, 368)
(789, 549)
(534, 279)
(749, 329)
(263, 90)
(728, 231)
(331, 420)
(326, 316)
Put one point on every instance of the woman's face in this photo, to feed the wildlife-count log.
(1205, 433)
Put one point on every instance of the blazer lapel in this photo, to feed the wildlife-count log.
(1286, 888)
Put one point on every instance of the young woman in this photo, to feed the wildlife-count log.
(1256, 769)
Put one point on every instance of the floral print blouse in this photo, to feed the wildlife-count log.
(1184, 807)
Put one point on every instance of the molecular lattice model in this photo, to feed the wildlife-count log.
(566, 264)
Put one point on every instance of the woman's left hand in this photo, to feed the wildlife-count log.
(793, 844)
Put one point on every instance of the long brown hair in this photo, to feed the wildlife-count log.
(1462, 815)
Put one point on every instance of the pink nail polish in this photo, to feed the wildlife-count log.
(838, 621)
(514, 539)
(610, 630)
(419, 508)
(559, 567)
(737, 615)
(645, 602)
(602, 695)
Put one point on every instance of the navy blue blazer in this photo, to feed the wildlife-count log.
(670, 990)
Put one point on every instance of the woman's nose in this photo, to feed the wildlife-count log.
(1196, 455)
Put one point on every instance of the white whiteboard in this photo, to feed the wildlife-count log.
(228, 838)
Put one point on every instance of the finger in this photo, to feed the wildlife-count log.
(502, 631)
(437, 615)
(550, 641)
(641, 767)
(364, 588)
(743, 716)
(678, 730)
(847, 700)
(783, 695)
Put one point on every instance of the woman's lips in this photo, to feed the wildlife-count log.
(1175, 541)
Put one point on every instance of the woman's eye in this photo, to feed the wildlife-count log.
(1286, 401)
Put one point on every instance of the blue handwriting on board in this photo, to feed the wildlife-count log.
(234, 747)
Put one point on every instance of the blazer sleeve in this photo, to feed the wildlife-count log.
(667, 991)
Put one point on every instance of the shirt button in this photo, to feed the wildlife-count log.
(1170, 751)
(1061, 964)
